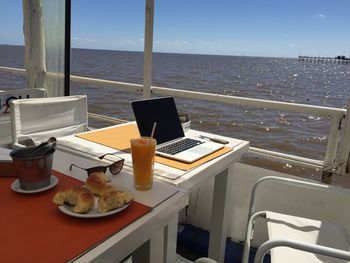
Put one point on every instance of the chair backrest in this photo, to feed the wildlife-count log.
(41, 118)
(6, 96)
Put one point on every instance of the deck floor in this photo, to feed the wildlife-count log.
(192, 243)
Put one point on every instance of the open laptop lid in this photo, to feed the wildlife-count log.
(160, 110)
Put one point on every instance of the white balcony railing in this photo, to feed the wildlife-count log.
(337, 116)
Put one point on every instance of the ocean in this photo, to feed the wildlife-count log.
(280, 79)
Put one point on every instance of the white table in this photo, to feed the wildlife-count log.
(220, 168)
(152, 238)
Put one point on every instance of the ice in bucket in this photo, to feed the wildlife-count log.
(143, 152)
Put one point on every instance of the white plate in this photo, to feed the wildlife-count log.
(15, 186)
(93, 213)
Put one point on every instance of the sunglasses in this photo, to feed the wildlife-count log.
(114, 168)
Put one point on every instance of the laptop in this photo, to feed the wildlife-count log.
(171, 140)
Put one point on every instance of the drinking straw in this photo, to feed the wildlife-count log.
(153, 129)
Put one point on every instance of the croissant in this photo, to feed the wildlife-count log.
(80, 198)
(125, 196)
(109, 199)
(107, 188)
(96, 181)
(109, 196)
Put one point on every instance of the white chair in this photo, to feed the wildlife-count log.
(298, 239)
(38, 119)
(5, 120)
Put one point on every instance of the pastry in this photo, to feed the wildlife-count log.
(111, 199)
(125, 196)
(80, 198)
(96, 181)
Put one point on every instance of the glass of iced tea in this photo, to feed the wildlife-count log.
(143, 152)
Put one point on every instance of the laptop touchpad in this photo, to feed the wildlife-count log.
(200, 149)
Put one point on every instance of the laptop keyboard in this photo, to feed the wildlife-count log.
(179, 146)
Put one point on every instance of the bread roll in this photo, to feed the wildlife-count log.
(80, 198)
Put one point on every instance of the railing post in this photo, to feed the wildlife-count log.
(344, 152)
(329, 161)
(147, 65)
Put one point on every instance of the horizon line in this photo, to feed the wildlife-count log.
(163, 52)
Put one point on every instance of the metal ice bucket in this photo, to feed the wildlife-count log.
(33, 172)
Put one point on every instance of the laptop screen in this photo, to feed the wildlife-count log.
(160, 110)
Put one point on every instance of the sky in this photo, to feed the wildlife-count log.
(273, 28)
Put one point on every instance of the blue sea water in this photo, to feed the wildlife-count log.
(281, 79)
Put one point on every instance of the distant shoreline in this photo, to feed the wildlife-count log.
(168, 53)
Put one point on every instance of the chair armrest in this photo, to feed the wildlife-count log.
(317, 249)
(249, 233)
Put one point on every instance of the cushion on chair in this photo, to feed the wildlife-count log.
(281, 226)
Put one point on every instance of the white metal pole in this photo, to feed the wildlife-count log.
(147, 66)
(34, 44)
